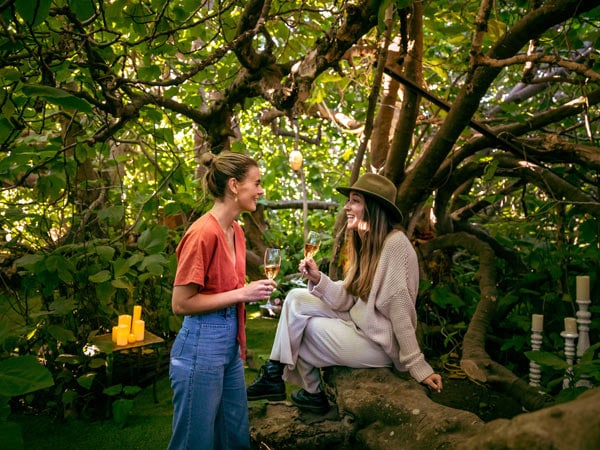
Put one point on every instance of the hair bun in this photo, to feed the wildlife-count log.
(207, 159)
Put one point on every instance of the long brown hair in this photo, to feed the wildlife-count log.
(364, 252)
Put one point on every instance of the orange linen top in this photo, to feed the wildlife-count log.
(203, 258)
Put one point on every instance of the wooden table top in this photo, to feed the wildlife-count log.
(104, 340)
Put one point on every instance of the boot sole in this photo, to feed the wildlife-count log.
(274, 397)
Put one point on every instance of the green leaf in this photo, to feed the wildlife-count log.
(86, 380)
(547, 359)
(134, 259)
(68, 359)
(58, 97)
(51, 185)
(155, 269)
(568, 395)
(22, 375)
(113, 214)
(4, 329)
(105, 252)
(153, 114)
(131, 390)
(121, 267)
(83, 9)
(100, 277)
(113, 390)
(150, 73)
(96, 363)
(63, 306)
(104, 291)
(490, 170)
(104, 347)
(61, 334)
(153, 261)
(444, 297)
(166, 134)
(53, 262)
(154, 240)
(35, 13)
(69, 396)
(122, 283)
(9, 74)
(496, 29)
(587, 369)
(591, 351)
(121, 409)
(65, 274)
(6, 128)
(28, 261)
(8, 110)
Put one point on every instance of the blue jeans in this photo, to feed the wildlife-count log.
(210, 408)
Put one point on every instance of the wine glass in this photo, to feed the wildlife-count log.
(272, 262)
(311, 244)
(271, 267)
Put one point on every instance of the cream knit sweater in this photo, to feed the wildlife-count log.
(388, 317)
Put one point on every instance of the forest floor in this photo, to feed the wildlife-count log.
(479, 399)
(149, 423)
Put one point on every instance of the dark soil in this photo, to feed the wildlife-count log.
(487, 404)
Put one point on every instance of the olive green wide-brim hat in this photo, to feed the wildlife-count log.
(379, 188)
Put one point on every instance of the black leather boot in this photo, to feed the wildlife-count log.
(269, 385)
(316, 403)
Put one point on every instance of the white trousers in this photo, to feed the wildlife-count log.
(310, 335)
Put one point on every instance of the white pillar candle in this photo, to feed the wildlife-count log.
(125, 319)
(137, 314)
(122, 334)
(138, 330)
(583, 287)
(537, 322)
(570, 325)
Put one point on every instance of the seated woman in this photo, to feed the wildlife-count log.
(366, 320)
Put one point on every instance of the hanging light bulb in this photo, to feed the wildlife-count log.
(295, 159)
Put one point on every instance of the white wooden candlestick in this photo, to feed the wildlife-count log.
(583, 322)
(569, 355)
(584, 319)
(535, 372)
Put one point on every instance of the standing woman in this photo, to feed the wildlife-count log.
(366, 320)
(206, 367)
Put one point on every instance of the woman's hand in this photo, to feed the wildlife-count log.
(259, 290)
(309, 270)
(433, 381)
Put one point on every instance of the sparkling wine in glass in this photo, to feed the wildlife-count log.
(311, 244)
(271, 267)
(272, 262)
